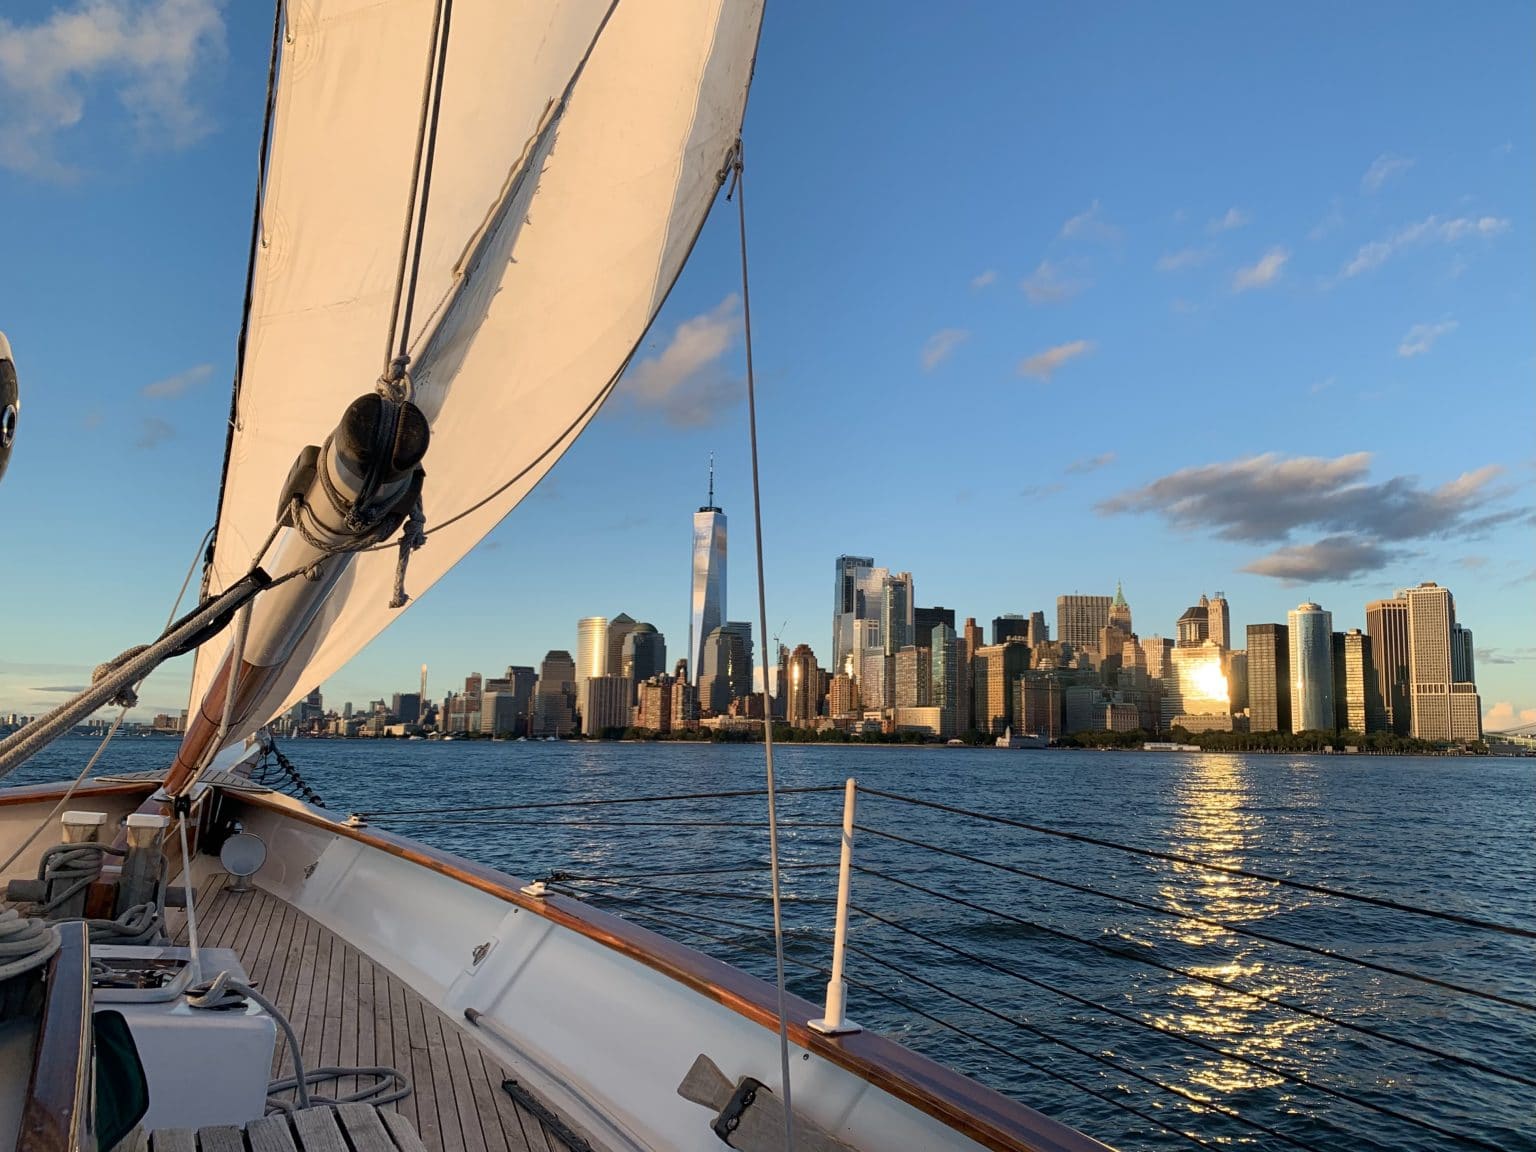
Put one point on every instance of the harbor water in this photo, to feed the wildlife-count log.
(1069, 1000)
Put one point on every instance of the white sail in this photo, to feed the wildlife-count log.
(551, 240)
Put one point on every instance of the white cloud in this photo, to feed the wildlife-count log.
(1046, 284)
(1089, 223)
(984, 279)
(143, 55)
(1421, 337)
(1232, 219)
(1042, 365)
(940, 345)
(1182, 259)
(1382, 169)
(1090, 463)
(179, 383)
(686, 382)
(1502, 716)
(1266, 271)
(1431, 229)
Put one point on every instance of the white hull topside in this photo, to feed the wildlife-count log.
(599, 1017)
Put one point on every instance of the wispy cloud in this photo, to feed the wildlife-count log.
(1090, 224)
(984, 279)
(1265, 272)
(686, 382)
(1421, 337)
(1232, 219)
(143, 56)
(153, 432)
(1030, 491)
(1047, 284)
(1360, 525)
(1382, 169)
(1182, 259)
(179, 383)
(1432, 229)
(1042, 365)
(940, 345)
(1090, 463)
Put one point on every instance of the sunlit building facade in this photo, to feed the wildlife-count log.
(1443, 708)
(1269, 678)
(554, 697)
(1386, 622)
(591, 647)
(1311, 652)
(1079, 618)
(1357, 693)
(804, 687)
(707, 593)
(1195, 693)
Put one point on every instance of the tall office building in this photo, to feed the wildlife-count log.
(1158, 652)
(970, 642)
(1195, 693)
(857, 596)
(1079, 618)
(914, 677)
(643, 655)
(741, 671)
(707, 605)
(604, 705)
(618, 628)
(1218, 620)
(1461, 654)
(944, 666)
(1269, 678)
(924, 620)
(591, 647)
(405, 707)
(1120, 611)
(1194, 627)
(1010, 626)
(1357, 703)
(1038, 632)
(995, 669)
(1311, 654)
(804, 687)
(897, 620)
(1386, 622)
(726, 671)
(653, 704)
(1443, 707)
(554, 697)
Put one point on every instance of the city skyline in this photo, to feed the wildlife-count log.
(1190, 327)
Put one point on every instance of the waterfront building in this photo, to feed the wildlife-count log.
(726, 673)
(1083, 708)
(554, 711)
(857, 595)
(1237, 680)
(944, 665)
(405, 707)
(653, 704)
(970, 642)
(1357, 702)
(925, 620)
(1009, 626)
(1039, 705)
(1195, 692)
(1311, 655)
(914, 677)
(741, 670)
(1386, 622)
(1443, 708)
(500, 714)
(618, 628)
(1079, 618)
(842, 697)
(1461, 655)
(1269, 678)
(707, 589)
(896, 614)
(804, 687)
(685, 699)
(1218, 620)
(1120, 611)
(1194, 627)
(926, 720)
(591, 647)
(644, 653)
(995, 668)
(604, 704)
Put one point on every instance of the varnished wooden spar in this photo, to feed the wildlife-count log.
(961, 1104)
(203, 726)
(56, 1112)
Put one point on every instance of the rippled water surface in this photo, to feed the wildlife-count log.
(1130, 1023)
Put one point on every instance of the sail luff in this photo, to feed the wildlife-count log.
(544, 265)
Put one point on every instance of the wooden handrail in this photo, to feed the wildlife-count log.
(57, 1109)
(987, 1117)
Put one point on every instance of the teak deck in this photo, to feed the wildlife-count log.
(349, 1011)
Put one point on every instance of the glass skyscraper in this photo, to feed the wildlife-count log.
(1311, 643)
(707, 609)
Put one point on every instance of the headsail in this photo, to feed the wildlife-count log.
(579, 149)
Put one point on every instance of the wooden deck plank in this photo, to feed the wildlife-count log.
(224, 1138)
(365, 1130)
(349, 1010)
(270, 1134)
(318, 1131)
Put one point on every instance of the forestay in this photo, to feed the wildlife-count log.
(556, 227)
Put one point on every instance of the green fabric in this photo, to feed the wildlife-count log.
(122, 1089)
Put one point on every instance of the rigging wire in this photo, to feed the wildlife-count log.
(1210, 922)
(1172, 969)
(1195, 862)
(738, 175)
(1163, 1029)
(584, 803)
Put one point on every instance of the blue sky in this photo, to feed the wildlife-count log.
(1199, 297)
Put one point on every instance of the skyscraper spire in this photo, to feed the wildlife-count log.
(711, 480)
